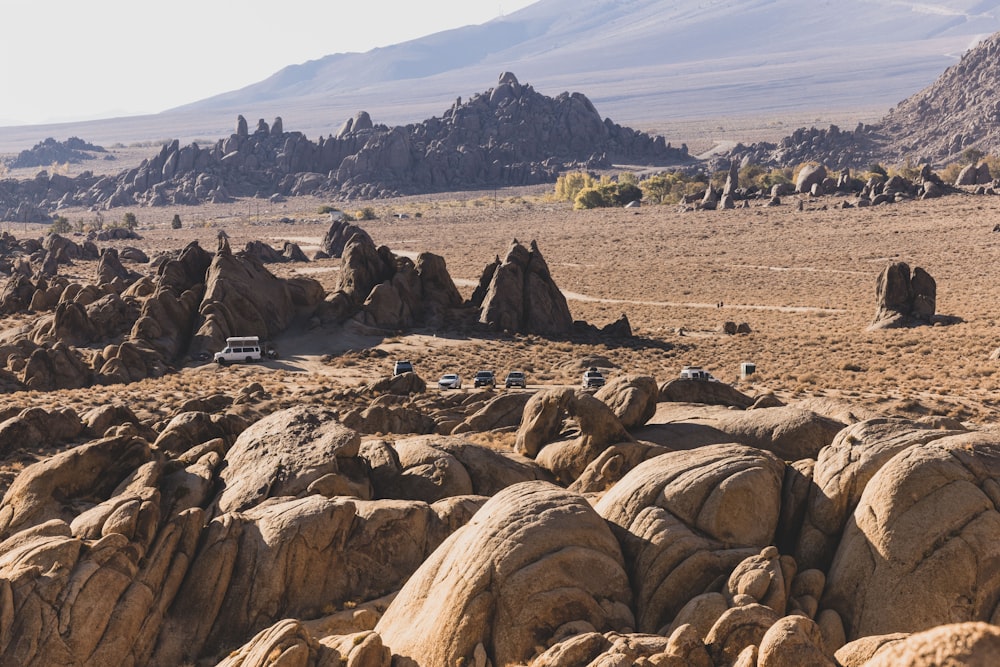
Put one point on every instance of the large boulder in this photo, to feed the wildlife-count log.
(339, 233)
(687, 519)
(242, 298)
(522, 295)
(685, 390)
(842, 472)
(61, 486)
(290, 558)
(631, 397)
(959, 644)
(904, 298)
(509, 580)
(921, 549)
(292, 452)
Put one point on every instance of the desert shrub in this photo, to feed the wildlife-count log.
(589, 198)
(366, 213)
(656, 189)
(176, 222)
(907, 170)
(876, 169)
(326, 208)
(949, 173)
(569, 185)
(971, 155)
(129, 221)
(60, 225)
(626, 193)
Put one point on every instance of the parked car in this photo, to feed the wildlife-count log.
(245, 348)
(401, 367)
(514, 379)
(592, 378)
(450, 381)
(485, 379)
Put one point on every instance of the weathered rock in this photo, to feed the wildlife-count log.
(966, 644)
(292, 452)
(291, 558)
(339, 233)
(504, 581)
(522, 295)
(793, 641)
(918, 551)
(686, 519)
(841, 474)
(57, 487)
(809, 175)
(684, 390)
(632, 399)
(903, 298)
(36, 426)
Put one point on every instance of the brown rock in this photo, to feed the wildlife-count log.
(919, 549)
(686, 519)
(505, 581)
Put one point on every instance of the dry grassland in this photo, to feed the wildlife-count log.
(803, 280)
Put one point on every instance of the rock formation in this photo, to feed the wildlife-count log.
(521, 295)
(508, 135)
(904, 298)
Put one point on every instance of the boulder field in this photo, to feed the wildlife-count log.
(619, 527)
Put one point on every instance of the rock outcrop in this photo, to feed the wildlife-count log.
(904, 298)
(521, 295)
(508, 135)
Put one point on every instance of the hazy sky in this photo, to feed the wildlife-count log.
(75, 60)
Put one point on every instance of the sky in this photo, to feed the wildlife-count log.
(68, 60)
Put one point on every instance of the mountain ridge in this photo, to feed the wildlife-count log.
(641, 62)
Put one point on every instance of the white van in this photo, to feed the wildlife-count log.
(245, 348)
(696, 373)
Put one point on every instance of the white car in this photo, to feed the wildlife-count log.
(450, 381)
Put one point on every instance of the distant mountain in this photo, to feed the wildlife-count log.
(643, 61)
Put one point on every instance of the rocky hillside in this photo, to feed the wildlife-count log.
(959, 111)
(50, 151)
(508, 135)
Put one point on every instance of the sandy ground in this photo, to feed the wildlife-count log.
(803, 281)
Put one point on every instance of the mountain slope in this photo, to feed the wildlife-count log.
(642, 61)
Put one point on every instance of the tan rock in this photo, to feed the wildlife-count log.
(840, 475)
(686, 519)
(632, 398)
(965, 644)
(793, 641)
(291, 452)
(920, 548)
(507, 576)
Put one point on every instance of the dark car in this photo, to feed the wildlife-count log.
(401, 367)
(592, 379)
(484, 379)
(514, 379)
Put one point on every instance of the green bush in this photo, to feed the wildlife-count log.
(129, 221)
(60, 225)
(367, 213)
(176, 222)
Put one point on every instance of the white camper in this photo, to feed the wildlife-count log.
(239, 348)
(695, 373)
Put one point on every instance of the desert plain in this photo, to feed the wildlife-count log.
(803, 280)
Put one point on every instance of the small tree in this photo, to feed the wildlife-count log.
(129, 221)
(60, 225)
(176, 222)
